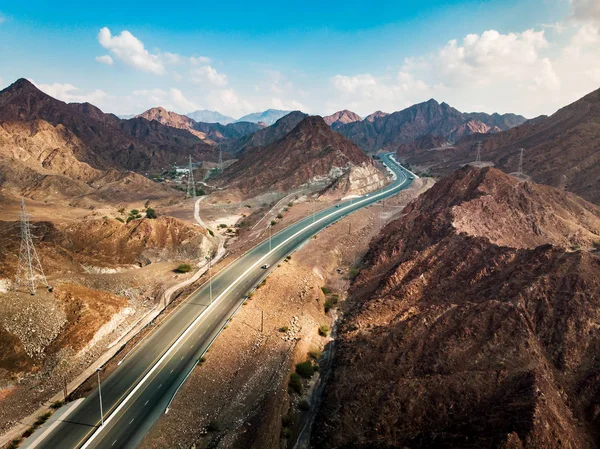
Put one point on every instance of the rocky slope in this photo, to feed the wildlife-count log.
(474, 324)
(380, 131)
(266, 136)
(104, 243)
(45, 162)
(310, 152)
(210, 133)
(340, 118)
(562, 150)
(108, 142)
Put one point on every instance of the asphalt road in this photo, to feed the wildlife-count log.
(139, 390)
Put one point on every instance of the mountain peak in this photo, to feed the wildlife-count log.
(341, 118)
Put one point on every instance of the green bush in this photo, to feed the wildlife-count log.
(273, 223)
(56, 404)
(14, 444)
(134, 212)
(323, 330)
(353, 273)
(576, 247)
(290, 204)
(222, 226)
(325, 290)
(183, 268)
(212, 234)
(279, 216)
(305, 369)
(150, 213)
(295, 383)
(120, 219)
(284, 329)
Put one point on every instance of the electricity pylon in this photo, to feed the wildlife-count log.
(191, 187)
(478, 157)
(520, 170)
(29, 272)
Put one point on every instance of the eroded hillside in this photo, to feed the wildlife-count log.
(473, 325)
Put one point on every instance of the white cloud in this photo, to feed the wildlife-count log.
(207, 74)
(130, 50)
(105, 59)
(228, 102)
(71, 94)
(196, 60)
(171, 99)
(586, 10)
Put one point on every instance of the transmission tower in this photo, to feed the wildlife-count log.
(220, 164)
(520, 170)
(478, 157)
(191, 187)
(29, 272)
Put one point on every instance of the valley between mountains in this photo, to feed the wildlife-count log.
(459, 311)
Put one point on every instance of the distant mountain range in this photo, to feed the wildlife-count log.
(206, 116)
(269, 116)
(562, 150)
(381, 131)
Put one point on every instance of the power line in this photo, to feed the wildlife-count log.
(191, 187)
(478, 157)
(520, 170)
(29, 271)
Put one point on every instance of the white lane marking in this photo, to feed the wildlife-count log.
(159, 387)
(216, 300)
(132, 421)
(114, 443)
(171, 372)
(146, 403)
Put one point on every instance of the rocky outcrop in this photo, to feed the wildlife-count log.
(472, 324)
(311, 152)
(340, 118)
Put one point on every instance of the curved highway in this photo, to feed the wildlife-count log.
(139, 390)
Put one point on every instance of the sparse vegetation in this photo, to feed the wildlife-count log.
(353, 272)
(323, 330)
(305, 369)
(222, 226)
(284, 329)
(295, 383)
(576, 247)
(596, 245)
(328, 306)
(120, 219)
(183, 268)
(325, 290)
(212, 234)
(273, 223)
(279, 216)
(150, 213)
(57, 404)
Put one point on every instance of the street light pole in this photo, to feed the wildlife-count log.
(209, 278)
(100, 395)
(270, 226)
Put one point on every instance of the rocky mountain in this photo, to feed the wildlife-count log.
(381, 131)
(269, 116)
(310, 153)
(376, 115)
(267, 135)
(562, 150)
(339, 118)
(473, 324)
(211, 133)
(206, 116)
(108, 142)
(428, 142)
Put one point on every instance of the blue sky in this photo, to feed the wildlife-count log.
(237, 57)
